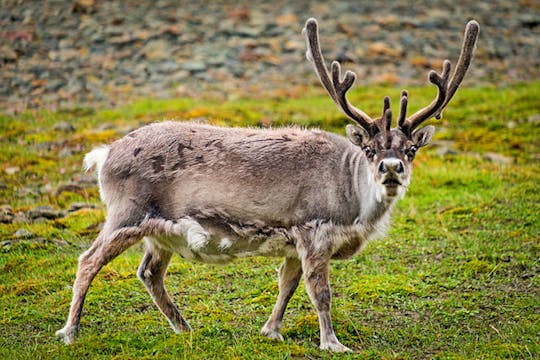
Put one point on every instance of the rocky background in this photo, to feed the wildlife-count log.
(65, 54)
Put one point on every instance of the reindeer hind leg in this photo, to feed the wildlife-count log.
(152, 273)
(107, 246)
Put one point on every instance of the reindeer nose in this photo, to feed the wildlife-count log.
(393, 165)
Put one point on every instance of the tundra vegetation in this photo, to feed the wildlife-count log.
(456, 276)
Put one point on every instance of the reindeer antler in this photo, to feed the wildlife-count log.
(336, 87)
(446, 88)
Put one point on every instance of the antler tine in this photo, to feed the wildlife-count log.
(464, 61)
(335, 87)
(403, 107)
(429, 111)
(387, 118)
(386, 122)
(446, 88)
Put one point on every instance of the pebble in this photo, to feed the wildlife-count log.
(497, 158)
(22, 234)
(193, 66)
(64, 126)
(79, 206)
(46, 212)
(11, 170)
(157, 50)
(7, 53)
(6, 214)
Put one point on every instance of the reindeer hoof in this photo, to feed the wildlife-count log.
(335, 346)
(181, 327)
(67, 334)
(271, 333)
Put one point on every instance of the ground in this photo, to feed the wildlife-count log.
(456, 277)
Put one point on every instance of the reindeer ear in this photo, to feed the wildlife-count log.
(422, 136)
(357, 135)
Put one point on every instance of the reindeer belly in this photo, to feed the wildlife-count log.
(207, 243)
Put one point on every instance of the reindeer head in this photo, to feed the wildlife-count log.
(390, 152)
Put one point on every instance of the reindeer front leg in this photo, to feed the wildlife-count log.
(290, 274)
(316, 272)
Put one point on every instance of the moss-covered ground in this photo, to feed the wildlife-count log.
(456, 277)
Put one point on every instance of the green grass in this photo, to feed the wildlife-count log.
(456, 277)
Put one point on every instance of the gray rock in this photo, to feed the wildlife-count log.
(46, 212)
(80, 205)
(11, 170)
(54, 84)
(193, 66)
(165, 67)
(248, 31)
(443, 151)
(497, 158)
(6, 214)
(74, 85)
(60, 242)
(7, 53)
(22, 234)
(157, 50)
(64, 126)
(534, 119)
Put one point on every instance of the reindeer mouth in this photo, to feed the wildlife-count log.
(391, 182)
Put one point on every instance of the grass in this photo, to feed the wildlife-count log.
(456, 277)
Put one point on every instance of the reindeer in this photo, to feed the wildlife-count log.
(214, 194)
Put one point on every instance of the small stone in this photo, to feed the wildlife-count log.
(157, 50)
(193, 66)
(6, 243)
(74, 86)
(46, 212)
(386, 78)
(498, 158)
(534, 119)
(46, 189)
(446, 151)
(180, 76)
(389, 21)
(65, 152)
(76, 206)
(287, 20)
(22, 234)
(66, 55)
(11, 170)
(6, 214)
(248, 31)
(54, 84)
(84, 6)
(294, 45)
(239, 14)
(64, 126)
(60, 242)
(165, 67)
(8, 54)
(380, 48)
(69, 187)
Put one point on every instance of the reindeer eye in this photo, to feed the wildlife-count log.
(370, 153)
(411, 152)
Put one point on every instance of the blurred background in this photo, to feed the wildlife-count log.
(65, 54)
